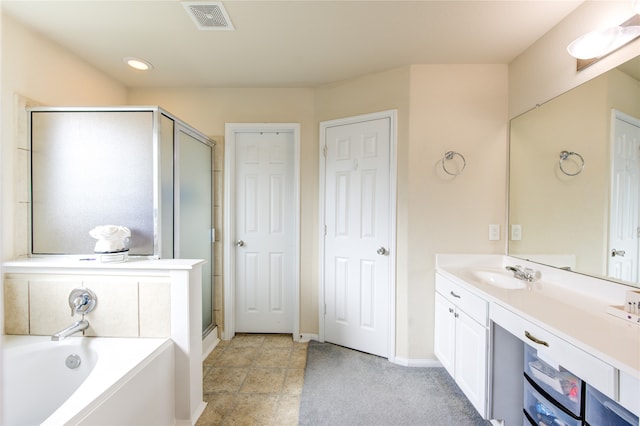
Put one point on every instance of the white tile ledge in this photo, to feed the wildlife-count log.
(74, 262)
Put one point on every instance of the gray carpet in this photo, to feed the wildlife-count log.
(343, 387)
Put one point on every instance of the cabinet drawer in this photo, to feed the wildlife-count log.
(471, 304)
(558, 352)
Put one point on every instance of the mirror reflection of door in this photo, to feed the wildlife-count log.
(624, 205)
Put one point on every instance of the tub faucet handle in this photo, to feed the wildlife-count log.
(82, 301)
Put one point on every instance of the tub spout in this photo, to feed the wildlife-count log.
(76, 327)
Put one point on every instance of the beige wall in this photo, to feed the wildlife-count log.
(461, 108)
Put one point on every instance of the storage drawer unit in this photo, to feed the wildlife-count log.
(562, 385)
(601, 410)
(586, 366)
(543, 411)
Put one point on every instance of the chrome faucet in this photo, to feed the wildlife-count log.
(74, 328)
(525, 274)
(81, 301)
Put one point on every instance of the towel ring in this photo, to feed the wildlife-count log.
(566, 154)
(449, 155)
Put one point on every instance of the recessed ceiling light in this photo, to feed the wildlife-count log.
(137, 63)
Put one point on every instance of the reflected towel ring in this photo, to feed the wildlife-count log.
(565, 155)
(449, 155)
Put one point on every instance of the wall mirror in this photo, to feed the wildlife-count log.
(574, 179)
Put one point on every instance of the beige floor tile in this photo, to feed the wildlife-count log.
(218, 405)
(247, 340)
(288, 410)
(215, 353)
(278, 341)
(236, 357)
(293, 381)
(264, 380)
(253, 410)
(273, 357)
(224, 380)
(254, 380)
(298, 359)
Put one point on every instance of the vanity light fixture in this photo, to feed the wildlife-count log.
(138, 64)
(595, 45)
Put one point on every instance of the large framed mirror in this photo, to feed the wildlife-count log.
(574, 179)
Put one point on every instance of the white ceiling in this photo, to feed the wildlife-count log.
(287, 43)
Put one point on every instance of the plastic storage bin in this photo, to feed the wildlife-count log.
(544, 411)
(600, 410)
(560, 384)
(526, 419)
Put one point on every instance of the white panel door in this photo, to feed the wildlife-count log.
(625, 188)
(357, 212)
(264, 238)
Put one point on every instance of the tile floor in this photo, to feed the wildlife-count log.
(254, 379)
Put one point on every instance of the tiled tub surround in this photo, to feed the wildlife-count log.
(571, 307)
(138, 298)
(128, 306)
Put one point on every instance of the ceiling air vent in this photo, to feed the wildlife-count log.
(209, 15)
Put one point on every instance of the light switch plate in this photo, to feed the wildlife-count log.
(494, 232)
(516, 232)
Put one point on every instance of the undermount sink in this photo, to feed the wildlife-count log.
(499, 279)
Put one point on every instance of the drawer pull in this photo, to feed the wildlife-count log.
(457, 296)
(535, 339)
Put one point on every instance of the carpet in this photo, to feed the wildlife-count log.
(343, 387)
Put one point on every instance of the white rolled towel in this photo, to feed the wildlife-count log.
(111, 238)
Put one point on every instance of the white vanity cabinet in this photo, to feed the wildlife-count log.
(461, 339)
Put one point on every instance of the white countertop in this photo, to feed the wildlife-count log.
(569, 313)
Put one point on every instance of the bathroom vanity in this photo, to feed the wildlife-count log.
(488, 322)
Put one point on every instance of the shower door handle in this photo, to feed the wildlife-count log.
(239, 243)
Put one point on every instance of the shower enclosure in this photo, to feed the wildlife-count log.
(139, 167)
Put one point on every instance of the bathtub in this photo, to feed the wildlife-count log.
(87, 380)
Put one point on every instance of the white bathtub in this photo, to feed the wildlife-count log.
(120, 381)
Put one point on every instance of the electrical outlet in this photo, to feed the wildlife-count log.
(516, 232)
(494, 232)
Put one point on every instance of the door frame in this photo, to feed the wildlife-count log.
(392, 115)
(229, 273)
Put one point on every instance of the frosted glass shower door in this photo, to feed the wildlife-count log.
(194, 206)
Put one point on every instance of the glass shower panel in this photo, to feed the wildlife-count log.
(194, 212)
(89, 169)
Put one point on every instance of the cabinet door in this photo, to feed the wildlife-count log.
(471, 360)
(444, 344)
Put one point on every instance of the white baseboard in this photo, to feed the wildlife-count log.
(209, 343)
(305, 337)
(417, 362)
